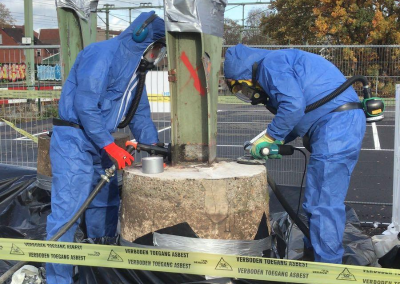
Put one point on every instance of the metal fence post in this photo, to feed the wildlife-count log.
(396, 166)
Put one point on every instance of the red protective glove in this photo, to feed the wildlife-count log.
(119, 155)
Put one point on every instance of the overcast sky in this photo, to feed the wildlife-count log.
(45, 16)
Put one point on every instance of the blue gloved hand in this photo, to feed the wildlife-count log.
(264, 142)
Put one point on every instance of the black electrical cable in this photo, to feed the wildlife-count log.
(298, 203)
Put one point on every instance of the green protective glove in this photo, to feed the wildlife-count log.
(264, 142)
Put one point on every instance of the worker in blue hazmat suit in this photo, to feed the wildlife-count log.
(96, 97)
(286, 81)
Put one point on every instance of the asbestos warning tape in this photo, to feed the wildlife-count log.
(193, 263)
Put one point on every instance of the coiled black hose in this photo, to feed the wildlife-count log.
(339, 90)
(138, 96)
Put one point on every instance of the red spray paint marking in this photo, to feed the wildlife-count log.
(193, 73)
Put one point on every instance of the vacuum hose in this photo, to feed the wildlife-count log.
(104, 179)
(138, 96)
(338, 91)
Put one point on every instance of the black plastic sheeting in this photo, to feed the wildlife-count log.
(24, 208)
(391, 259)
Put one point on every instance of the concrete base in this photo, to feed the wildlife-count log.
(225, 201)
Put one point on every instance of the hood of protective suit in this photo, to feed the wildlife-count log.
(102, 85)
(156, 31)
(239, 61)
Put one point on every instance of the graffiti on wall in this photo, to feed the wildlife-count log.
(48, 72)
(11, 72)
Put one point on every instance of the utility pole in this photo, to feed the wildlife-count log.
(107, 11)
(29, 53)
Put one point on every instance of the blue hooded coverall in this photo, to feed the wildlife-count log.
(96, 95)
(293, 79)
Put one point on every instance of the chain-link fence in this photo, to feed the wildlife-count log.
(32, 107)
(27, 106)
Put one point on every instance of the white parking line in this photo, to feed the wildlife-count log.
(166, 128)
(376, 136)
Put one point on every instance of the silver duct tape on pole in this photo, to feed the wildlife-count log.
(205, 16)
(152, 165)
(83, 8)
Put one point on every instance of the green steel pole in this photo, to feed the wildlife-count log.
(75, 34)
(29, 53)
(194, 60)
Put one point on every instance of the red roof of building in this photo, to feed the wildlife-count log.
(49, 36)
(17, 32)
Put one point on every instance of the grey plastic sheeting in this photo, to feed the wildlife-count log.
(234, 247)
(199, 16)
(81, 7)
(358, 248)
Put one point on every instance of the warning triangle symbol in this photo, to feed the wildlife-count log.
(114, 256)
(16, 250)
(223, 265)
(346, 275)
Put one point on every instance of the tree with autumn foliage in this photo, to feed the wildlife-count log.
(5, 16)
(333, 21)
(370, 22)
(231, 32)
(358, 22)
(251, 33)
(290, 21)
(350, 22)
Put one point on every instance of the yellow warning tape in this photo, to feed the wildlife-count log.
(193, 263)
(30, 94)
(21, 131)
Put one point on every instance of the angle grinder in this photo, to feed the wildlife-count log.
(275, 149)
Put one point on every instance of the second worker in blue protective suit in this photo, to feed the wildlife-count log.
(293, 79)
(95, 98)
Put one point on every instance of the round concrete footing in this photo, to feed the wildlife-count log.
(224, 201)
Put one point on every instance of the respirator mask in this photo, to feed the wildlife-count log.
(248, 91)
(245, 91)
(154, 53)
